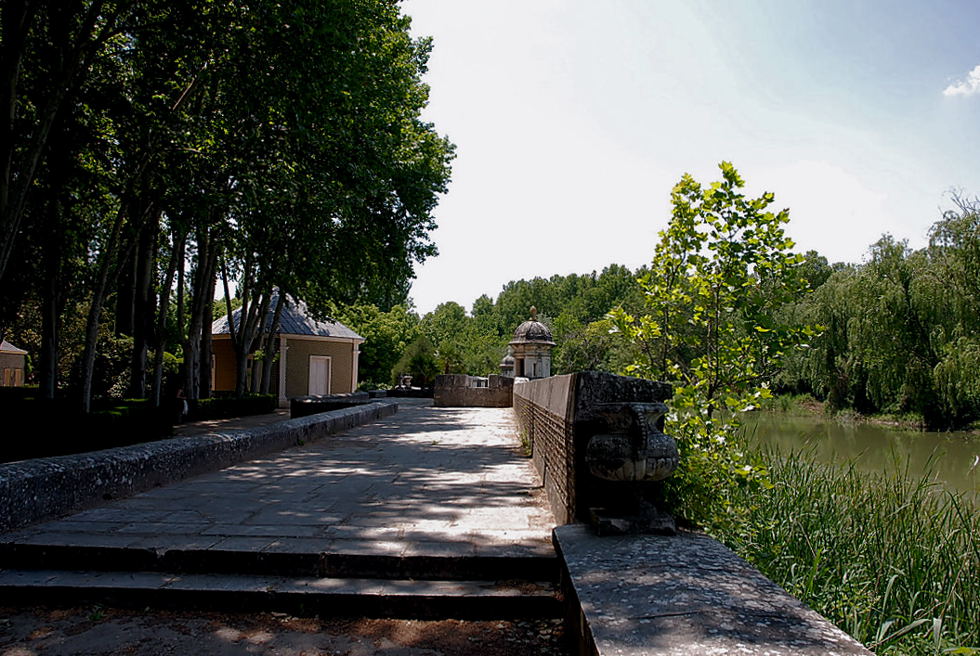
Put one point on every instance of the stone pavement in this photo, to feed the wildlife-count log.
(437, 482)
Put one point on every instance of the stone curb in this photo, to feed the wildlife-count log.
(44, 488)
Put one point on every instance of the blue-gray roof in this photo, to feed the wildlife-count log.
(295, 320)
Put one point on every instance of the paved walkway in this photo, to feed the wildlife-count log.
(426, 481)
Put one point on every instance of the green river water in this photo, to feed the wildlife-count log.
(953, 459)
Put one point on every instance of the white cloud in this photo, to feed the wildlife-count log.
(966, 87)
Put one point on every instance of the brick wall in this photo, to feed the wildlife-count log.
(542, 411)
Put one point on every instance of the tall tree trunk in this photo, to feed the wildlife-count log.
(181, 256)
(160, 332)
(126, 296)
(252, 318)
(271, 348)
(144, 303)
(106, 257)
(202, 301)
(192, 346)
(206, 348)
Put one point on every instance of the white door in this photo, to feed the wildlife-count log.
(319, 375)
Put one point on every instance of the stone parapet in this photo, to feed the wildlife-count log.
(682, 594)
(44, 488)
(304, 406)
(462, 391)
(559, 416)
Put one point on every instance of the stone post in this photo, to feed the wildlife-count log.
(625, 455)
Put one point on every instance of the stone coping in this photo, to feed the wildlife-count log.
(683, 594)
(44, 488)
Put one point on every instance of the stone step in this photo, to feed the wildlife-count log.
(324, 596)
(447, 563)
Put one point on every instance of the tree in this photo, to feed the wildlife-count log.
(418, 361)
(447, 329)
(277, 143)
(722, 268)
(386, 337)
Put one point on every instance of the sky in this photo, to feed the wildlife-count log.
(573, 120)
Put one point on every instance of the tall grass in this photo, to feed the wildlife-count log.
(892, 560)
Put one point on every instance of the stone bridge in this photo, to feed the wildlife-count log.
(388, 510)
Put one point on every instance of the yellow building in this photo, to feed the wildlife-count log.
(12, 364)
(315, 357)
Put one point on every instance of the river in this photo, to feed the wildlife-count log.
(951, 457)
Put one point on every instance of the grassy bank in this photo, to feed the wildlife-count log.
(894, 562)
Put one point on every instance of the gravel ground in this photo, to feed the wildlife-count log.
(95, 630)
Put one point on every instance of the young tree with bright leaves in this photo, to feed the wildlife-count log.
(722, 269)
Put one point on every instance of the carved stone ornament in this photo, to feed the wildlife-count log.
(632, 450)
(635, 449)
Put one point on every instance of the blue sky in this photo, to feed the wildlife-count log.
(573, 120)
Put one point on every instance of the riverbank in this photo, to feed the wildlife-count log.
(807, 406)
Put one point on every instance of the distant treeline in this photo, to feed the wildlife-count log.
(451, 339)
(899, 333)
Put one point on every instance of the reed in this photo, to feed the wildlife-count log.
(893, 560)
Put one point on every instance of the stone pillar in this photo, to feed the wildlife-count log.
(283, 347)
(622, 454)
(356, 355)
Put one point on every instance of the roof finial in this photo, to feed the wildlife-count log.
(534, 313)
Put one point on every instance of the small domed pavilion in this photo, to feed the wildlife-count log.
(531, 349)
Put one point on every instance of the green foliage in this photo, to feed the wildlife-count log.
(594, 346)
(721, 271)
(386, 334)
(278, 142)
(892, 560)
(898, 332)
(463, 344)
(224, 406)
(419, 361)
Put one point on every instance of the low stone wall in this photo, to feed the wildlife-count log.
(558, 415)
(543, 412)
(304, 406)
(412, 393)
(682, 594)
(639, 593)
(461, 391)
(33, 490)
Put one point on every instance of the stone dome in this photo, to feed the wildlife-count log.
(532, 330)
